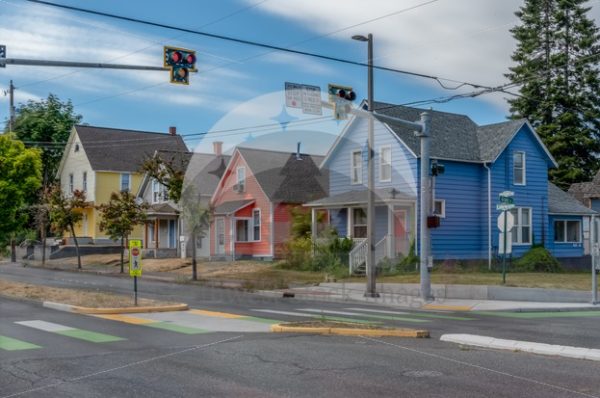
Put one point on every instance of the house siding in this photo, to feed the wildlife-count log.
(564, 249)
(404, 177)
(533, 195)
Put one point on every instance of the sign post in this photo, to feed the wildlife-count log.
(135, 264)
(506, 204)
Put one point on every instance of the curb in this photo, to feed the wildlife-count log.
(524, 346)
(281, 328)
(443, 307)
(124, 310)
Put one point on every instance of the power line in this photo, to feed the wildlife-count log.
(250, 42)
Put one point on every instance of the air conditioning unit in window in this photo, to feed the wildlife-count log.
(238, 188)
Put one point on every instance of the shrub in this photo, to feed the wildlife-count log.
(409, 262)
(537, 259)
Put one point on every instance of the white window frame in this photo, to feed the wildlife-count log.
(382, 164)
(241, 182)
(517, 230)
(254, 225)
(84, 184)
(128, 182)
(155, 191)
(565, 221)
(71, 183)
(523, 170)
(356, 166)
(442, 214)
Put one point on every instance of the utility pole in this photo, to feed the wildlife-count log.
(425, 207)
(11, 94)
(595, 255)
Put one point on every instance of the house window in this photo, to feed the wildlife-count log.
(256, 224)
(241, 230)
(159, 192)
(385, 164)
(519, 168)
(241, 179)
(85, 181)
(439, 208)
(521, 232)
(125, 182)
(567, 231)
(356, 167)
(71, 185)
(360, 223)
(151, 232)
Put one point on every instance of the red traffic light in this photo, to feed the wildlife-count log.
(176, 56)
(190, 59)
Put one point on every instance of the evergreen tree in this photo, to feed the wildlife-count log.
(557, 48)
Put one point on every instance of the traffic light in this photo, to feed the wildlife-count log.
(181, 62)
(337, 92)
(2, 55)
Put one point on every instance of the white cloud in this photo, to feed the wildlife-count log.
(295, 61)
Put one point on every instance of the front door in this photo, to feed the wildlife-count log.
(400, 236)
(172, 234)
(220, 236)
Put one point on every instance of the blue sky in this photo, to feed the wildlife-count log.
(241, 86)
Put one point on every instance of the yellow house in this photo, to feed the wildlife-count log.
(100, 161)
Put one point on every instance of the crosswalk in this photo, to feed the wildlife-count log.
(201, 321)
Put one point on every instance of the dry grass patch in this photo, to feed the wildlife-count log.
(76, 297)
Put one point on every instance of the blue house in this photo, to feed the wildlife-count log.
(480, 162)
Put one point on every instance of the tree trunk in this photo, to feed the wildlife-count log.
(76, 246)
(13, 250)
(194, 263)
(122, 254)
(43, 233)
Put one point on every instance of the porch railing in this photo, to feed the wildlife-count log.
(358, 255)
(383, 249)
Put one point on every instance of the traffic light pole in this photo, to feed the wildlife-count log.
(40, 62)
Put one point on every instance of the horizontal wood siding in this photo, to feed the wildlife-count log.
(339, 164)
(460, 233)
(534, 194)
(564, 249)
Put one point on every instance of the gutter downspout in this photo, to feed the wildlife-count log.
(489, 202)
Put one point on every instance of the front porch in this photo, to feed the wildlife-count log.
(395, 224)
(161, 232)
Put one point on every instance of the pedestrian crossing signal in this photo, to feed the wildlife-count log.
(182, 62)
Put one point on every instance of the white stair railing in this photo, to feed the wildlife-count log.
(358, 255)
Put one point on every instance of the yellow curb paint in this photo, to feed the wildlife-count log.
(126, 318)
(352, 332)
(130, 310)
(447, 307)
(216, 314)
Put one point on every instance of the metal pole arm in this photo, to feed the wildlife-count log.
(69, 64)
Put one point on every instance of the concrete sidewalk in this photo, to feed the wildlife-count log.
(407, 296)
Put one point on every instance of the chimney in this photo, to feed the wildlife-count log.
(173, 130)
(218, 147)
(298, 157)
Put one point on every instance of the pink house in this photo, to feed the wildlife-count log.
(251, 205)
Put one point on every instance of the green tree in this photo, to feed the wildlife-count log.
(20, 178)
(47, 124)
(169, 171)
(197, 221)
(119, 216)
(65, 212)
(557, 51)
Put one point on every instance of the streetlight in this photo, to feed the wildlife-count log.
(371, 266)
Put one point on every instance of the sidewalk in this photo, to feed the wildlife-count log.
(406, 296)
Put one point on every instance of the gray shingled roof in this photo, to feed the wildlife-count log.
(227, 208)
(584, 190)
(284, 178)
(359, 197)
(205, 171)
(123, 150)
(453, 136)
(560, 202)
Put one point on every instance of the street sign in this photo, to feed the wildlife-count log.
(135, 258)
(508, 243)
(505, 206)
(303, 96)
(510, 221)
(507, 197)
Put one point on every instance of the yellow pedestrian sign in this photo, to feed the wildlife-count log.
(135, 258)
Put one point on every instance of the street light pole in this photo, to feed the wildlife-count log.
(371, 290)
(425, 207)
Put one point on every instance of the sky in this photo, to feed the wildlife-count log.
(237, 96)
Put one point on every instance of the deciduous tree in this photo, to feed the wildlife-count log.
(66, 212)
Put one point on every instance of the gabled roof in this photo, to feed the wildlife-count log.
(233, 206)
(560, 202)
(585, 190)
(205, 171)
(284, 178)
(121, 150)
(178, 160)
(454, 136)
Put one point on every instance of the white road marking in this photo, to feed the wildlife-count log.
(331, 312)
(379, 311)
(46, 326)
(285, 313)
